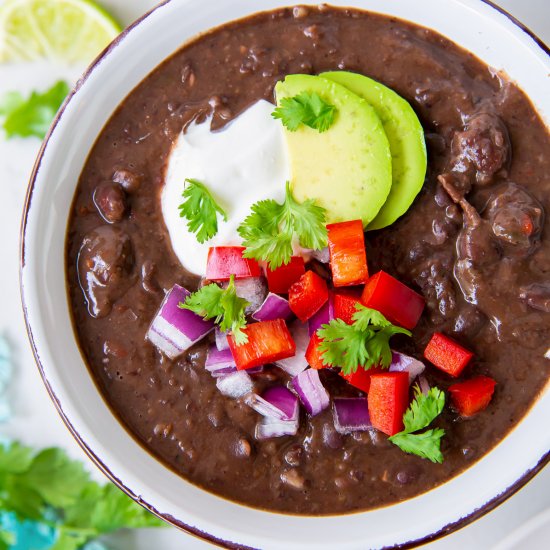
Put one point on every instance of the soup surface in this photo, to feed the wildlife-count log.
(484, 273)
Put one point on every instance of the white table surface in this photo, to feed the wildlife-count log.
(521, 522)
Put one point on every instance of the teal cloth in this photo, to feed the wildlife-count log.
(27, 535)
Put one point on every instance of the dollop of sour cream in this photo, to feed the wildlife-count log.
(241, 164)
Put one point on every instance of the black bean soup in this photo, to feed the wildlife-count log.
(486, 282)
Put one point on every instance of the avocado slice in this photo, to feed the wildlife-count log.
(406, 137)
(346, 169)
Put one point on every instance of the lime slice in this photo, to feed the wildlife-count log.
(62, 30)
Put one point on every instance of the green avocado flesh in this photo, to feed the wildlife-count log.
(406, 138)
(347, 169)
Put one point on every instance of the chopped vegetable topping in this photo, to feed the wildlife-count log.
(224, 306)
(32, 116)
(364, 344)
(282, 278)
(268, 231)
(306, 108)
(397, 302)
(447, 355)
(422, 412)
(388, 400)
(472, 396)
(308, 295)
(201, 210)
(227, 261)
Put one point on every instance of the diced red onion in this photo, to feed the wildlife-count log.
(220, 363)
(423, 384)
(253, 290)
(174, 330)
(297, 363)
(351, 414)
(235, 385)
(311, 391)
(274, 307)
(404, 363)
(322, 255)
(221, 339)
(273, 427)
(323, 317)
(276, 402)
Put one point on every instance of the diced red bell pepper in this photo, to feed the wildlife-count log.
(447, 355)
(348, 257)
(472, 396)
(268, 341)
(397, 302)
(345, 303)
(307, 296)
(361, 377)
(313, 356)
(224, 261)
(282, 278)
(388, 401)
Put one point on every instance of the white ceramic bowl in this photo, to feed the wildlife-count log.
(488, 33)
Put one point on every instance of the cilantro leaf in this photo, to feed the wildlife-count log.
(201, 210)
(421, 413)
(268, 232)
(223, 305)
(425, 445)
(32, 116)
(306, 108)
(365, 343)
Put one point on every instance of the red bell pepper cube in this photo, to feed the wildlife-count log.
(307, 296)
(397, 302)
(224, 261)
(268, 341)
(472, 396)
(348, 257)
(345, 303)
(361, 377)
(447, 355)
(388, 400)
(282, 278)
(314, 357)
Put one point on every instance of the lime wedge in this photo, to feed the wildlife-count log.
(69, 31)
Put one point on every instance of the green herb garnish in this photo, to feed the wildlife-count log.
(223, 305)
(201, 210)
(32, 116)
(56, 492)
(422, 412)
(268, 232)
(306, 108)
(365, 343)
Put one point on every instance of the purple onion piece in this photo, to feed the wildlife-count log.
(174, 330)
(423, 384)
(219, 358)
(322, 255)
(311, 391)
(272, 427)
(297, 363)
(252, 289)
(351, 414)
(221, 339)
(235, 385)
(277, 402)
(274, 307)
(323, 317)
(404, 363)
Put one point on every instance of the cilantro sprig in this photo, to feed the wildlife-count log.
(223, 305)
(422, 412)
(269, 230)
(365, 343)
(56, 492)
(32, 116)
(307, 108)
(201, 210)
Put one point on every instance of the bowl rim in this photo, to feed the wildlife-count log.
(175, 522)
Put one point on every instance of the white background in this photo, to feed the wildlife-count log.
(35, 420)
